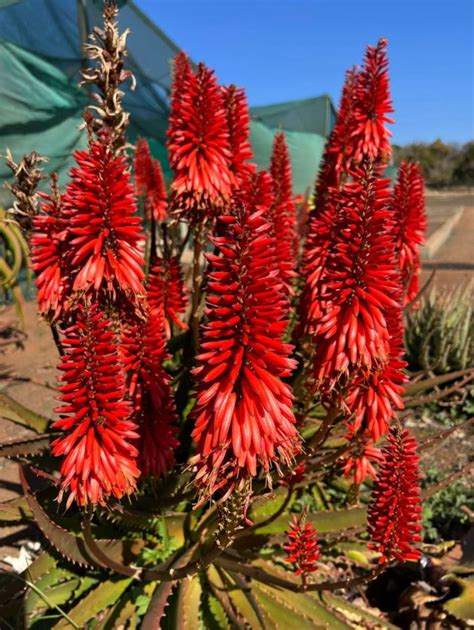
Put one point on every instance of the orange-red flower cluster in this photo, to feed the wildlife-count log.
(338, 152)
(302, 548)
(359, 464)
(359, 134)
(244, 417)
(238, 122)
(370, 138)
(166, 285)
(49, 258)
(99, 459)
(359, 285)
(395, 509)
(408, 207)
(283, 211)
(351, 303)
(103, 228)
(149, 182)
(198, 140)
(149, 387)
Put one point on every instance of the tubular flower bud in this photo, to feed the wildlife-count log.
(302, 547)
(337, 156)
(198, 141)
(359, 134)
(283, 211)
(98, 457)
(359, 280)
(320, 221)
(370, 137)
(408, 207)
(149, 388)
(149, 182)
(394, 517)
(238, 122)
(103, 227)
(243, 413)
(356, 320)
(359, 464)
(49, 258)
(166, 285)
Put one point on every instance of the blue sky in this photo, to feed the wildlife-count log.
(288, 49)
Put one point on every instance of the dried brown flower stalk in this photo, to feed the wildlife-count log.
(27, 177)
(107, 52)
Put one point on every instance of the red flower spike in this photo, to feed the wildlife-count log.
(166, 285)
(358, 284)
(370, 137)
(243, 413)
(198, 141)
(149, 388)
(320, 222)
(394, 516)
(149, 182)
(257, 193)
(355, 313)
(103, 225)
(283, 211)
(337, 155)
(359, 134)
(49, 258)
(302, 548)
(371, 399)
(408, 207)
(295, 475)
(98, 457)
(182, 73)
(238, 122)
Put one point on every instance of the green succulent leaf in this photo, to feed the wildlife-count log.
(12, 410)
(25, 446)
(189, 603)
(268, 505)
(58, 594)
(214, 617)
(307, 606)
(13, 245)
(95, 602)
(280, 610)
(15, 510)
(40, 566)
(330, 522)
(158, 604)
(130, 607)
(411, 389)
(462, 606)
(357, 552)
(71, 547)
(358, 617)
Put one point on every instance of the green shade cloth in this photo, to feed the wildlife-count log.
(312, 115)
(40, 110)
(305, 150)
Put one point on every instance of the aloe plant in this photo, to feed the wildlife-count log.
(172, 489)
(439, 333)
(14, 258)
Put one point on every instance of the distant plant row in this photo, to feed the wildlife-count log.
(443, 164)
